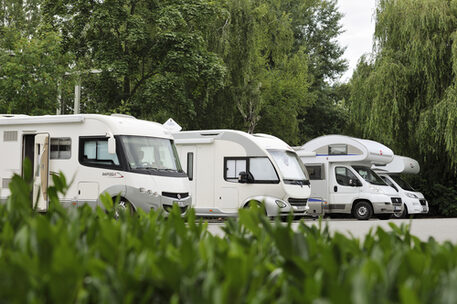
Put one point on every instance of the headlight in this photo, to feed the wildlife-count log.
(411, 195)
(377, 190)
(280, 203)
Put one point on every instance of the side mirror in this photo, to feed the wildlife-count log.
(111, 145)
(245, 177)
(393, 186)
(354, 183)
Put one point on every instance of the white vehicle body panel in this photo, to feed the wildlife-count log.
(142, 190)
(215, 194)
(399, 165)
(414, 201)
(325, 155)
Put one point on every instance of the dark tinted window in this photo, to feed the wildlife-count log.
(315, 172)
(369, 175)
(402, 183)
(344, 176)
(190, 165)
(60, 148)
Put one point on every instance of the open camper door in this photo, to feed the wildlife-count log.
(41, 172)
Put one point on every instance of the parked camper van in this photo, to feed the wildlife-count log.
(414, 201)
(116, 154)
(230, 169)
(339, 171)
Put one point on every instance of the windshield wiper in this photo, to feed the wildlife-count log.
(147, 168)
(168, 170)
(300, 182)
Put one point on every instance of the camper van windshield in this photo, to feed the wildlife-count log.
(402, 183)
(290, 166)
(369, 175)
(150, 153)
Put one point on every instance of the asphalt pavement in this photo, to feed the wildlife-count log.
(441, 229)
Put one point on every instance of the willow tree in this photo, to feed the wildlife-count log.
(405, 95)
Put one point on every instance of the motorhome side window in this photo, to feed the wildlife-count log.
(190, 165)
(338, 149)
(94, 152)
(60, 148)
(344, 176)
(315, 172)
(260, 168)
(233, 168)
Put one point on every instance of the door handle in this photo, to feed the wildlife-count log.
(335, 189)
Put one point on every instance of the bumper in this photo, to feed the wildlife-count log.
(385, 207)
(184, 204)
(417, 206)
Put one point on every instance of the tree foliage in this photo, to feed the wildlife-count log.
(31, 60)
(255, 65)
(152, 55)
(405, 94)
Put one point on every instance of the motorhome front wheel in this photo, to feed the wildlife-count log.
(123, 206)
(363, 211)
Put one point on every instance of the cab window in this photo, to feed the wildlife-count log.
(344, 176)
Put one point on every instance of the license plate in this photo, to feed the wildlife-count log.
(397, 208)
(180, 204)
(424, 209)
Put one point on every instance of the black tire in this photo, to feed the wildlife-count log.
(403, 214)
(384, 216)
(123, 206)
(258, 204)
(362, 211)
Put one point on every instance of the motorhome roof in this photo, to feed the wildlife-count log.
(399, 165)
(341, 148)
(251, 142)
(118, 124)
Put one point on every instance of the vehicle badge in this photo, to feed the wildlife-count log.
(179, 196)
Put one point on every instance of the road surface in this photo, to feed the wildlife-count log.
(441, 229)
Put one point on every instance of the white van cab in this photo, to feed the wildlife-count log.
(414, 201)
(231, 169)
(116, 154)
(340, 172)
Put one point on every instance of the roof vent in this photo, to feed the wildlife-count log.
(10, 136)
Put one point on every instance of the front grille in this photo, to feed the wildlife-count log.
(423, 202)
(396, 200)
(175, 195)
(298, 201)
(168, 208)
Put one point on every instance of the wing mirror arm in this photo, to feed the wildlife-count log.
(111, 143)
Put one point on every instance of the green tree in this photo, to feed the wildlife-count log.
(405, 96)
(153, 57)
(268, 80)
(31, 60)
(316, 25)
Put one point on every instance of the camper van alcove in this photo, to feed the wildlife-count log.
(414, 201)
(116, 154)
(339, 169)
(231, 169)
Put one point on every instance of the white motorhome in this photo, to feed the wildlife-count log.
(116, 154)
(414, 201)
(339, 171)
(230, 169)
